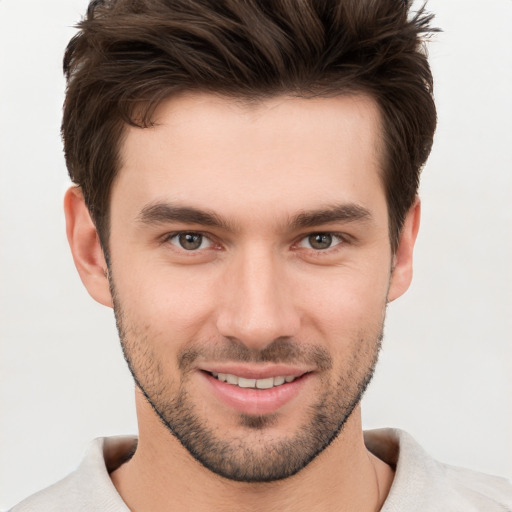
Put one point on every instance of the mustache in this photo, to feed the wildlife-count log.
(280, 350)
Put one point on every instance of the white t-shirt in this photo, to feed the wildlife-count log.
(421, 483)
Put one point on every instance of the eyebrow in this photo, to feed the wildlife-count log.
(161, 213)
(338, 213)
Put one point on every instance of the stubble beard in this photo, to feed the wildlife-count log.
(252, 457)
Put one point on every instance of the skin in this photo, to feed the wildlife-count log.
(255, 281)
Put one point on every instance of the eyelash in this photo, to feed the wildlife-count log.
(342, 240)
(168, 239)
(342, 237)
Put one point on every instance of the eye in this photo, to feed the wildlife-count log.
(190, 241)
(320, 241)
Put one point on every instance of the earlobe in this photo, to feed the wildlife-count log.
(85, 246)
(401, 276)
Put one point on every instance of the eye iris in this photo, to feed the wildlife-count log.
(320, 241)
(190, 241)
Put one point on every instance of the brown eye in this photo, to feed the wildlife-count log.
(320, 241)
(190, 241)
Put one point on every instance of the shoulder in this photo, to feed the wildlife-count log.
(484, 492)
(424, 484)
(88, 488)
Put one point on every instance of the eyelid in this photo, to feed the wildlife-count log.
(173, 234)
(343, 239)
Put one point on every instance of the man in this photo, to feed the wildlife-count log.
(246, 200)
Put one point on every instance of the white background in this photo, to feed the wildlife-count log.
(445, 371)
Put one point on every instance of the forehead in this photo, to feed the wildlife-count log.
(278, 155)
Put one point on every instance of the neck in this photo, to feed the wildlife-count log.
(162, 475)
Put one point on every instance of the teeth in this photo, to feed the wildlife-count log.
(279, 380)
(242, 382)
(265, 383)
(246, 383)
(231, 379)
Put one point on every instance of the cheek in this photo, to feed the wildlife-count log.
(347, 307)
(168, 305)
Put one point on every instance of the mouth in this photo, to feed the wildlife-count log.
(253, 391)
(242, 382)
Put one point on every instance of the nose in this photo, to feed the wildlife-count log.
(256, 305)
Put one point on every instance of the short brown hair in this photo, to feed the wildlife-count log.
(129, 55)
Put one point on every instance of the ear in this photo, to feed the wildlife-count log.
(86, 248)
(401, 275)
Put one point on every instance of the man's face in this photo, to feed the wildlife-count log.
(250, 268)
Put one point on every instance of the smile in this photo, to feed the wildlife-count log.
(255, 390)
(242, 382)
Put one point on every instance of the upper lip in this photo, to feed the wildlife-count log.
(253, 371)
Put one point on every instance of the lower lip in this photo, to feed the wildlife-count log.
(255, 402)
